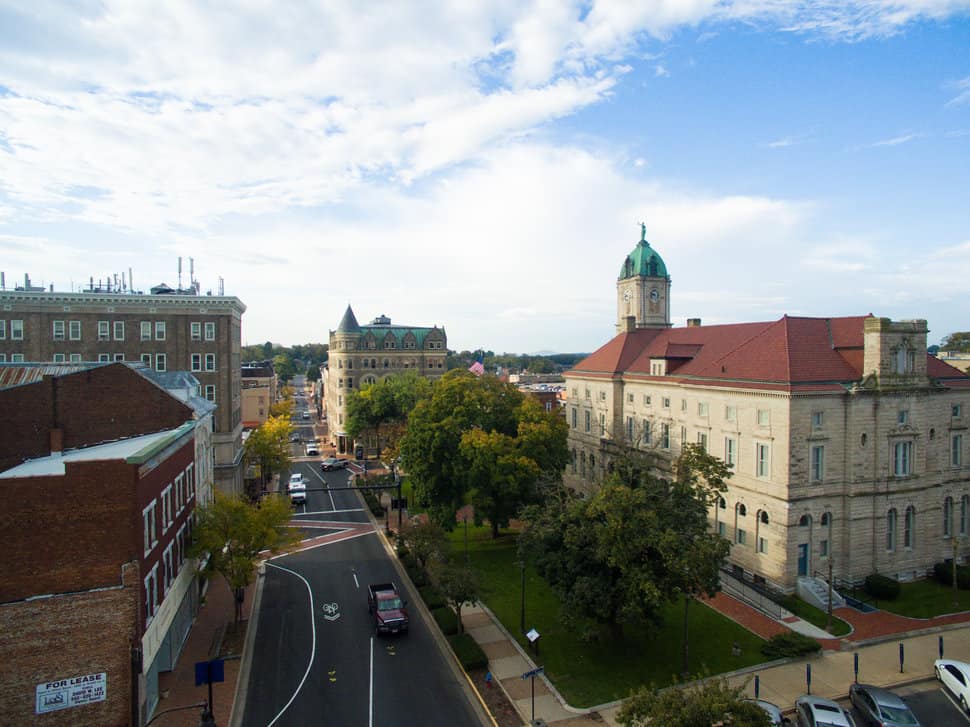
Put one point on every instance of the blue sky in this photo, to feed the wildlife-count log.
(485, 167)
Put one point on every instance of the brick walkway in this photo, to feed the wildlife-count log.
(741, 613)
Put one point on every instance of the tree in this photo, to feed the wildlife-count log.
(383, 407)
(283, 408)
(458, 583)
(283, 366)
(233, 532)
(425, 541)
(958, 341)
(269, 446)
(313, 372)
(711, 702)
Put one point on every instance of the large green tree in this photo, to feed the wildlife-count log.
(702, 705)
(384, 406)
(957, 341)
(233, 532)
(268, 446)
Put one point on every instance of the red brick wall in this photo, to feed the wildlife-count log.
(68, 533)
(68, 636)
(98, 405)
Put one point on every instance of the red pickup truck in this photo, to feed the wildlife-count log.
(390, 614)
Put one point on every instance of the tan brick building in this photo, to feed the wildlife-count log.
(362, 355)
(848, 441)
(171, 331)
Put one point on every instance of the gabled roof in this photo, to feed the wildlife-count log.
(807, 354)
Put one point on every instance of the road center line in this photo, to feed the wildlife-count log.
(355, 581)
(313, 641)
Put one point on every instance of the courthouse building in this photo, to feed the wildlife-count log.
(847, 440)
(361, 355)
(169, 330)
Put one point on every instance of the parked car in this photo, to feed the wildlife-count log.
(955, 678)
(388, 608)
(773, 711)
(881, 707)
(812, 711)
(332, 463)
(306, 415)
(295, 437)
(312, 450)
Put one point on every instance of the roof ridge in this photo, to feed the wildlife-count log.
(767, 326)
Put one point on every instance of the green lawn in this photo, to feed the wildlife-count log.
(601, 670)
(815, 616)
(925, 599)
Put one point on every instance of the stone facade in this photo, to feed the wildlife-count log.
(361, 355)
(848, 442)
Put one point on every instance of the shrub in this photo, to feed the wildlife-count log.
(943, 573)
(790, 643)
(880, 586)
(432, 597)
(469, 653)
(417, 575)
(446, 619)
(373, 503)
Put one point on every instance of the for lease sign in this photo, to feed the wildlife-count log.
(72, 692)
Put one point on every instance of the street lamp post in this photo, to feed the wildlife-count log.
(522, 612)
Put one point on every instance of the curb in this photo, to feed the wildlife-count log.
(242, 680)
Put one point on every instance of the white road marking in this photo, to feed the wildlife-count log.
(330, 512)
(313, 642)
(370, 701)
(956, 704)
(355, 581)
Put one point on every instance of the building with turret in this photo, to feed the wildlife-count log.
(361, 355)
(848, 442)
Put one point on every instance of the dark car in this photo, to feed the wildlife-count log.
(332, 463)
(881, 707)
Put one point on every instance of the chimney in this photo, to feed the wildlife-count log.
(630, 324)
(693, 322)
(57, 440)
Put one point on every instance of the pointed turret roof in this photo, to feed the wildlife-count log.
(348, 324)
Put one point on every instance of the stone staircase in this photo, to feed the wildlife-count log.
(816, 592)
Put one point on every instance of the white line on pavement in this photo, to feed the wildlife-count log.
(370, 701)
(313, 641)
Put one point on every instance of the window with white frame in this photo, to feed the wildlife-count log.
(573, 414)
(16, 330)
(818, 462)
(119, 330)
(189, 482)
(210, 392)
(74, 330)
(823, 545)
(119, 357)
(956, 450)
(58, 358)
(731, 413)
(169, 569)
(196, 330)
(210, 331)
(955, 411)
(816, 420)
(166, 508)
(103, 357)
(665, 436)
(629, 398)
(57, 330)
(909, 528)
(761, 540)
(646, 431)
(702, 440)
(947, 517)
(683, 436)
(646, 400)
(730, 451)
(629, 429)
(104, 330)
(902, 416)
(683, 404)
(179, 493)
(702, 408)
(146, 330)
(586, 422)
(210, 362)
(666, 402)
(762, 459)
(159, 330)
(161, 362)
(148, 518)
(902, 459)
(196, 361)
(602, 424)
(764, 417)
(151, 594)
(3, 330)
(74, 358)
(146, 358)
(602, 396)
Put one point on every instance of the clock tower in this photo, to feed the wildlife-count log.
(643, 289)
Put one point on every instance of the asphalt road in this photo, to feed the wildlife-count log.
(932, 707)
(316, 659)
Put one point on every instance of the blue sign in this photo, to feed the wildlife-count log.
(535, 672)
(210, 671)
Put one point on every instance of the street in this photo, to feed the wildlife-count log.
(316, 658)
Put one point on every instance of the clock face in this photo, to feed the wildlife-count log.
(654, 295)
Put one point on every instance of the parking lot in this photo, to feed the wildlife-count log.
(931, 705)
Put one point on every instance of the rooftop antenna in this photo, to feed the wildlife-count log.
(222, 287)
(131, 282)
(180, 272)
(3, 281)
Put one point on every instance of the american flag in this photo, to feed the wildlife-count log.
(477, 368)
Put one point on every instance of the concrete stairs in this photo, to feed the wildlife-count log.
(816, 592)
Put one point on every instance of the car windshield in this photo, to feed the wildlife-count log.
(898, 715)
(389, 604)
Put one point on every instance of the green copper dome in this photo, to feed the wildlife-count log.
(644, 260)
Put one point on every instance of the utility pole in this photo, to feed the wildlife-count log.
(828, 624)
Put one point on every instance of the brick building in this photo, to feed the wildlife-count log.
(174, 330)
(259, 392)
(362, 355)
(98, 479)
(847, 440)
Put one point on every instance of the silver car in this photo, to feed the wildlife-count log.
(881, 707)
(812, 711)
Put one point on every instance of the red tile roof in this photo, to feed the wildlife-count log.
(808, 354)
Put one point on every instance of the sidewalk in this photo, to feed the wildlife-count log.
(177, 687)
(780, 683)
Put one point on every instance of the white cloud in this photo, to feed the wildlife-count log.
(897, 140)
(962, 88)
(660, 72)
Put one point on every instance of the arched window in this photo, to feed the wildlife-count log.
(964, 508)
(761, 541)
(592, 465)
(948, 517)
(909, 528)
(891, 530)
(742, 510)
(805, 521)
(740, 534)
(718, 517)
